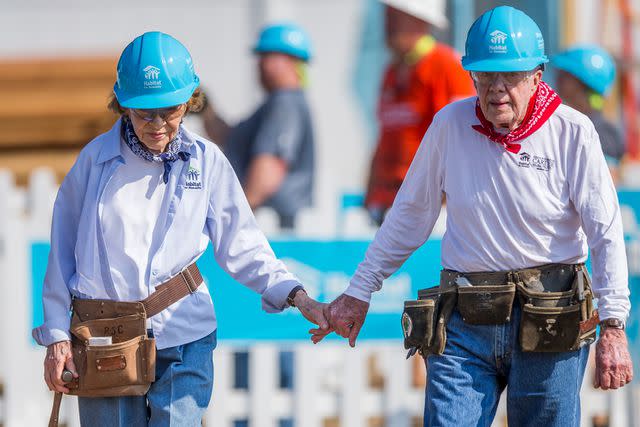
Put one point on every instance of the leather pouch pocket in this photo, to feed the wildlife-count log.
(546, 299)
(549, 329)
(418, 321)
(128, 363)
(444, 301)
(486, 304)
(119, 329)
(118, 366)
(123, 368)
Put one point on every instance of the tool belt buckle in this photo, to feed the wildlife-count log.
(188, 279)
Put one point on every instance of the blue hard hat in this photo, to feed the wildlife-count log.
(504, 39)
(284, 38)
(590, 64)
(155, 71)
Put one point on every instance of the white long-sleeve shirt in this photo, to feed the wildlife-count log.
(202, 202)
(550, 203)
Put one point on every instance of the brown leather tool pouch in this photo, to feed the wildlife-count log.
(126, 367)
(486, 304)
(557, 321)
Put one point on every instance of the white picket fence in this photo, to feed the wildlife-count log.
(332, 383)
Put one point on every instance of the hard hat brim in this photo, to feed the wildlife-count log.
(298, 54)
(149, 101)
(506, 65)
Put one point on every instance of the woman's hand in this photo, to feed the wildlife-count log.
(59, 356)
(311, 309)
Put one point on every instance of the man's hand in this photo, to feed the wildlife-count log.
(59, 356)
(346, 316)
(311, 309)
(613, 362)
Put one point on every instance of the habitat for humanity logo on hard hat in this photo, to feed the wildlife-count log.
(152, 77)
(498, 39)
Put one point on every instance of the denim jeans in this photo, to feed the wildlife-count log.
(178, 397)
(464, 384)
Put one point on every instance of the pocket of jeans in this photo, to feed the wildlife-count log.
(549, 329)
(418, 320)
(486, 304)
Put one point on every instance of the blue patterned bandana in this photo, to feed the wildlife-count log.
(167, 158)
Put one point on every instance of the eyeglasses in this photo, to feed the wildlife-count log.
(166, 114)
(510, 78)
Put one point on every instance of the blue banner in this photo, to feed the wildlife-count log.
(324, 267)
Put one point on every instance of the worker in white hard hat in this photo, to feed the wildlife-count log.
(422, 77)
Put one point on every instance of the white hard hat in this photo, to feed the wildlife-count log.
(431, 11)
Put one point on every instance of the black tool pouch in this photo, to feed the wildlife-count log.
(424, 321)
(418, 322)
(486, 304)
(557, 321)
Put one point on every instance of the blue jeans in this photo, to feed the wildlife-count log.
(178, 397)
(464, 384)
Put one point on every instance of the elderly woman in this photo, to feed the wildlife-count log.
(142, 203)
(528, 193)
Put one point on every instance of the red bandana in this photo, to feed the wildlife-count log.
(545, 102)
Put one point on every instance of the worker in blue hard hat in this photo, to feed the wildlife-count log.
(528, 196)
(272, 151)
(139, 207)
(585, 76)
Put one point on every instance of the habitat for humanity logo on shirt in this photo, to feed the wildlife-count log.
(193, 179)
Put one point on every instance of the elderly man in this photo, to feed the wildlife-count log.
(422, 77)
(528, 193)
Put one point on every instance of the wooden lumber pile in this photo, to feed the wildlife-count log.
(50, 109)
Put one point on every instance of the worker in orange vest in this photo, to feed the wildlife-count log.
(423, 76)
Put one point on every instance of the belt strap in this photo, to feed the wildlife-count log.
(449, 277)
(173, 290)
(55, 410)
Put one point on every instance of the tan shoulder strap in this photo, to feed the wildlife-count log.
(173, 290)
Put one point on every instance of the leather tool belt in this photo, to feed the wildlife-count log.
(126, 367)
(556, 303)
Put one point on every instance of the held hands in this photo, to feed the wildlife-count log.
(312, 310)
(613, 362)
(346, 316)
(59, 356)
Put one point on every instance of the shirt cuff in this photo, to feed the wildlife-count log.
(274, 299)
(358, 292)
(52, 331)
(614, 306)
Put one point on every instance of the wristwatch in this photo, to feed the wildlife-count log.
(292, 294)
(613, 323)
